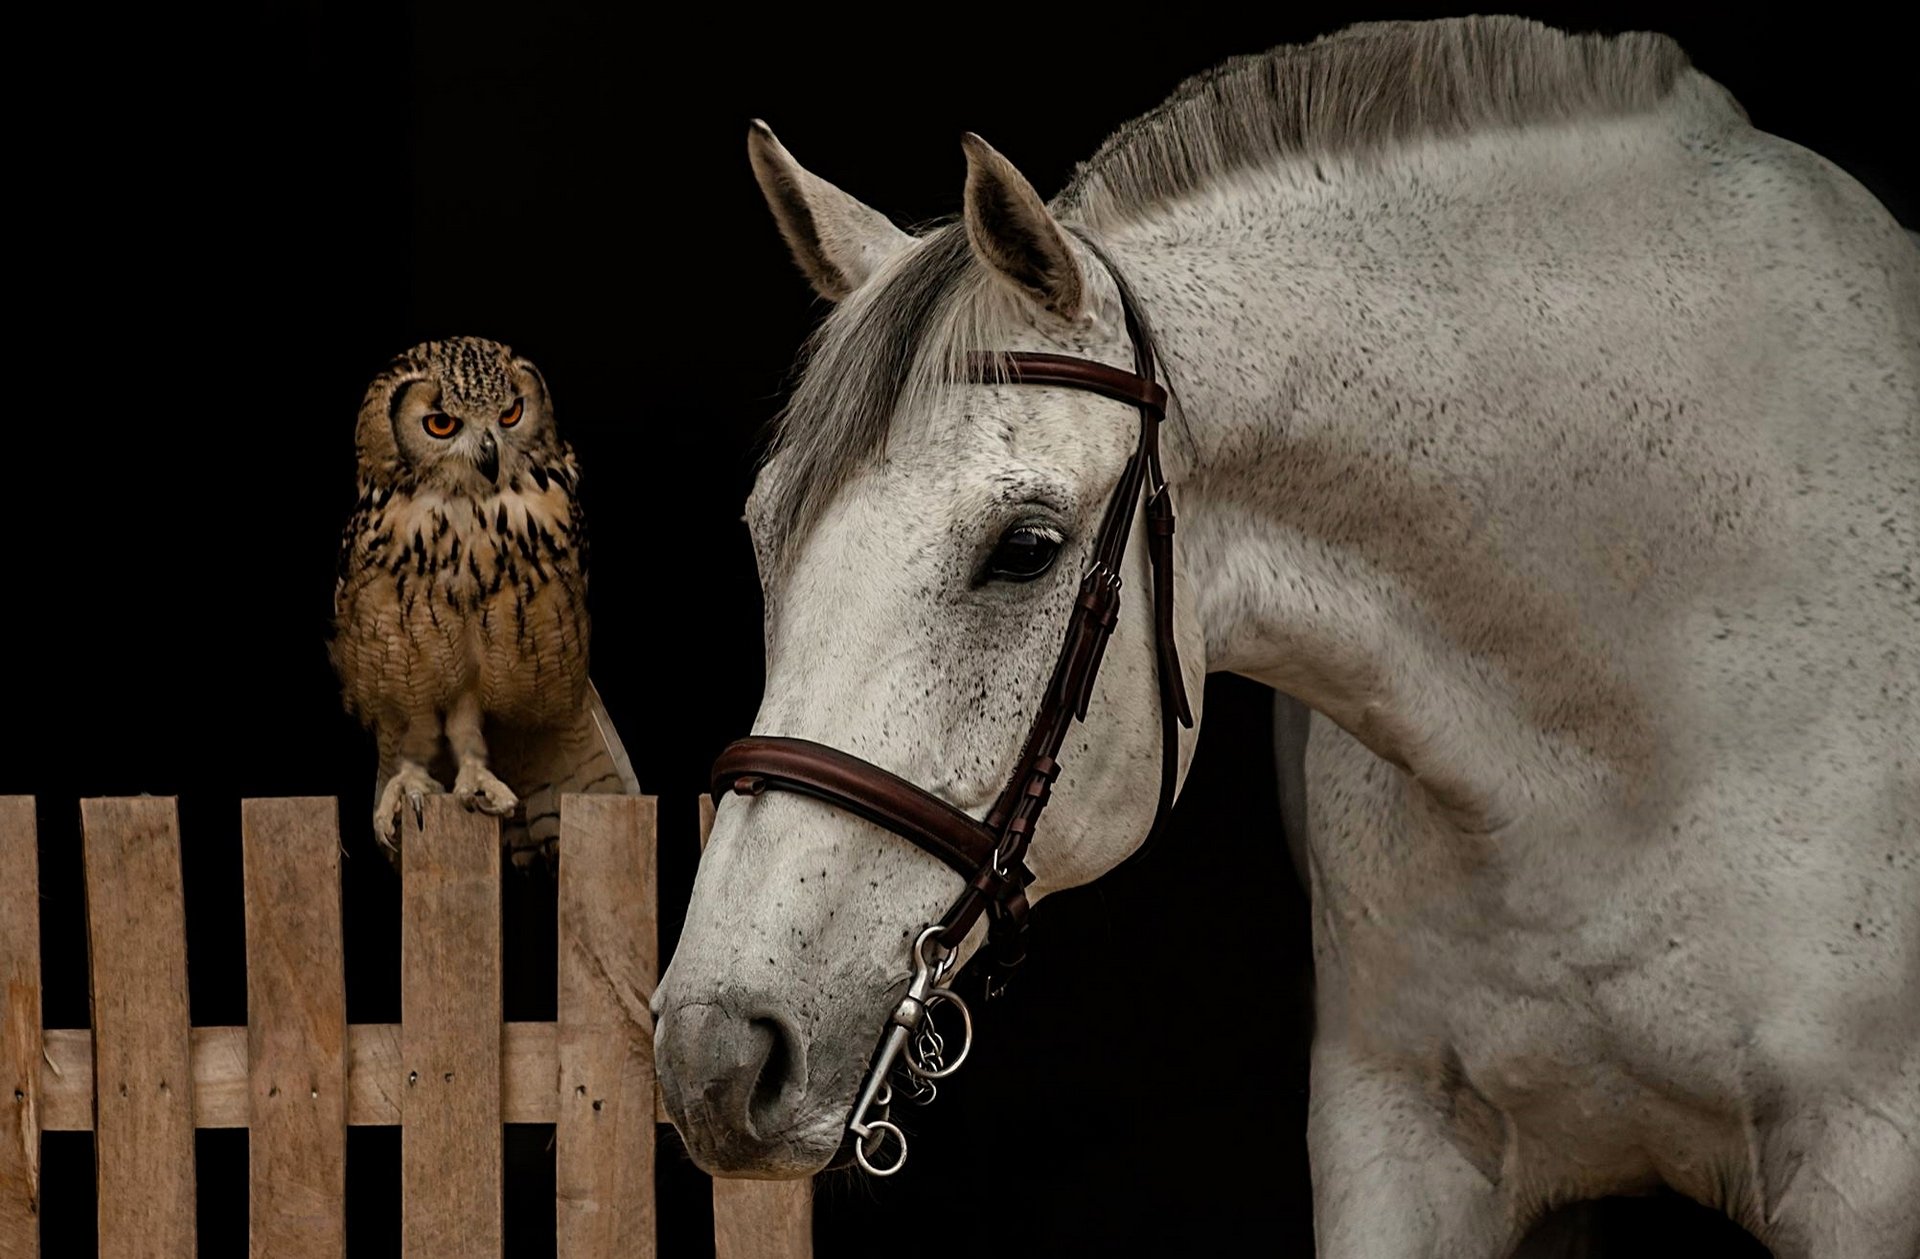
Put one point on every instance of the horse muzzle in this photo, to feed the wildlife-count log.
(735, 1081)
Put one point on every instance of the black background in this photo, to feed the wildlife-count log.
(228, 227)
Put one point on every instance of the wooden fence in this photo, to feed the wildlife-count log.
(450, 1073)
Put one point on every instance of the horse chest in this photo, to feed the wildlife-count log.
(1559, 1017)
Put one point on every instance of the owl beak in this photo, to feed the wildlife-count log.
(489, 460)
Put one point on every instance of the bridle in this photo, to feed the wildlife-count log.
(990, 853)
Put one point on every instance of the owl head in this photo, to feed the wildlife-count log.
(464, 416)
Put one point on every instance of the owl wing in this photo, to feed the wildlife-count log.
(542, 764)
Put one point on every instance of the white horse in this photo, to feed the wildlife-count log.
(1549, 433)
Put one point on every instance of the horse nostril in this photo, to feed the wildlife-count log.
(778, 1072)
(735, 1082)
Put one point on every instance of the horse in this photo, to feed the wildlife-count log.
(1548, 439)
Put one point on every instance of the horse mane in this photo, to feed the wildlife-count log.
(1366, 88)
(901, 336)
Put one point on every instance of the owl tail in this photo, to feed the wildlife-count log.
(541, 765)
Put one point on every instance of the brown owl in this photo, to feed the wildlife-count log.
(460, 618)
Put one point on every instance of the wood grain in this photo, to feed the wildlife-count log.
(376, 1076)
(450, 1034)
(143, 1079)
(221, 1087)
(20, 1039)
(451, 1072)
(296, 1046)
(66, 1080)
(758, 1219)
(609, 960)
(763, 1219)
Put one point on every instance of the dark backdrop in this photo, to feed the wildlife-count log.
(227, 228)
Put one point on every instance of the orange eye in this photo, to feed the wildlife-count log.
(440, 424)
(512, 416)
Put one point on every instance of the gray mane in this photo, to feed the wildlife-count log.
(1367, 87)
(903, 334)
(890, 342)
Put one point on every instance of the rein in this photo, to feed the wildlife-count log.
(990, 853)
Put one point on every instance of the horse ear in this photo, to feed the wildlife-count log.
(837, 241)
(1013, 232)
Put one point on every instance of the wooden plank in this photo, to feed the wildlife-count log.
(450, 1142)
(66, 1080)
(758, 1219)
(763, 1219)
(20, 1042)
(609, 958)
(221, 1097)
(376, 1076)
(143, 1075)
(529, 1072)
(219, 1057)
(296, 1047)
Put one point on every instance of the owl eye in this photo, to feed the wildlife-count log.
(512, 416)
(440, 424)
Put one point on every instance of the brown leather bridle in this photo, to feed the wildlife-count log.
(991, 853)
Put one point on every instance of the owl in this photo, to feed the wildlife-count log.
(460, 619)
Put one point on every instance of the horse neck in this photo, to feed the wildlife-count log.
(1403, 500)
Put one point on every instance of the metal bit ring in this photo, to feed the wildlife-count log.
(880, 1127)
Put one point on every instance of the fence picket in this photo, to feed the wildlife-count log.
(759, 1219)
(763, 1219)
(296, 1030)
(142, 1072)
(609, 957)
(450, 1073)
(450, 1034)
(20, 1044)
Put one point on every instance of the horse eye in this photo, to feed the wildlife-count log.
(1023, 553)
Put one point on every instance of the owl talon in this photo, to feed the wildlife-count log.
(408, 788)
(477, 788)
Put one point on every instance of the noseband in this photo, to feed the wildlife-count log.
(990, 853)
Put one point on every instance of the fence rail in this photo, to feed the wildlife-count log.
(450, 1073)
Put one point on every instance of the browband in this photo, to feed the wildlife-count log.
(1029, 367)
